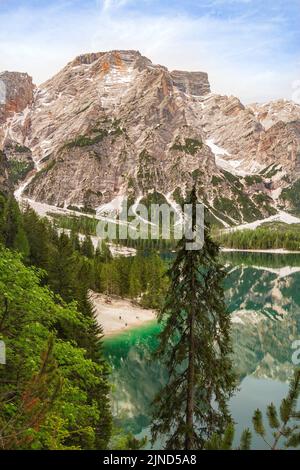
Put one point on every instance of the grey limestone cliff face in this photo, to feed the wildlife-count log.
(16, 93)
(113, 123)
(193, 83)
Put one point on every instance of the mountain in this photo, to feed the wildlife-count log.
(112, 124)
(5, 184)
(264, 303)
(16, 94)
(16, 97)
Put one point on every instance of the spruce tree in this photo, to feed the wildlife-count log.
(156, 281)
(62, 267)
(87, 247)
(136, 275)
(195, 347)
(103, 252)
(74, 237)
(14, 235)
(38, 235)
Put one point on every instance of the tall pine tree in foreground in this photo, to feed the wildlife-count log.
(195, 347)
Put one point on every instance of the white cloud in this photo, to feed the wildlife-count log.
(241, 55)
(112, 4)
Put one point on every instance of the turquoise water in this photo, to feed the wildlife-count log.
(263, 298)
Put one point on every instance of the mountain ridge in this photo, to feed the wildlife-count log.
(111, 124)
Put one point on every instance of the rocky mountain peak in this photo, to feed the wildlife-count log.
(111, 59)
(113, 123)
(269, 114)
(16, 93)
(193, 83)
(86, 59)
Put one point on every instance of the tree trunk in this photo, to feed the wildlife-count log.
(189, 438)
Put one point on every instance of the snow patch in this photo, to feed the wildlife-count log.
(215, 148)
(280, 217)
(113, 206)
(227, 165)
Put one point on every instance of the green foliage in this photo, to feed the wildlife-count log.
(146, 173)
(272, 416)
(80, 224)
(59, 401)
(291, 196)
(195, 348)
(216, 180)
(44, 171)
(285, 423)
(246, 439)
(253, 179)
(141, 278)
(270, 171)
(240, 206)
(265, 237)
(225, 441)
(233, 179)
(39, 234)
(178, 196)
(227, 206)
(265, 202)
(97, 135)
(258, 425)
(21, 149)
(85, 141)
(153, 198)
(123, 441)
(12, 232)
(190, 146)
(87, 247)
(76, 412)
(19, 169)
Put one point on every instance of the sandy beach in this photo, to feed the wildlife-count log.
(119, 315)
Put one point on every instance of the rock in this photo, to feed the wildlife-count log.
(192, 83)
(16, 93)
(113, 123)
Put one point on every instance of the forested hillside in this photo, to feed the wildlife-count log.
(54, 388)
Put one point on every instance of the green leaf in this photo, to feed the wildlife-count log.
(273, 417)
(246, 439)
(228, 437)
(293, 441)
(257, 421)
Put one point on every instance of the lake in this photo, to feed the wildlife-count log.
(263, 298)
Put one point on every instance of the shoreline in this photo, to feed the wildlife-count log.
(118, 315)
(275, 251)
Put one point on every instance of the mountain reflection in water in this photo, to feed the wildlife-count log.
(263, 298)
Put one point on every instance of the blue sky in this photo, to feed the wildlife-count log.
(250, 48)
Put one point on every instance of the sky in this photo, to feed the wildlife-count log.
(249, 48)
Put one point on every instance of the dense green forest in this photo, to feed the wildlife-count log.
(268, 236)
(88, 226)
(54, 389)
